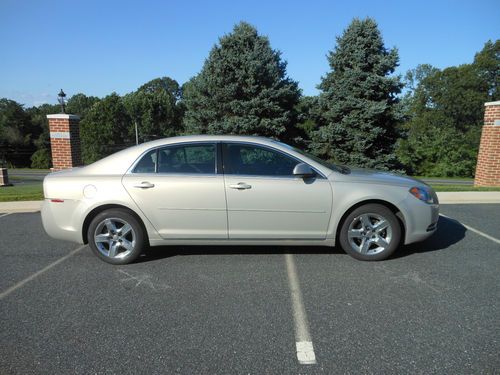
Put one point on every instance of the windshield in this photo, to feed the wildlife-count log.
(339, 168)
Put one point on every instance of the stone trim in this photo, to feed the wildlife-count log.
(63, 116)
(492, 103)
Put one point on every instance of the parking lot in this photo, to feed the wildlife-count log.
(431, 308)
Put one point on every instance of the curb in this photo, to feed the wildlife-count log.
(468, 197)
(20, 206)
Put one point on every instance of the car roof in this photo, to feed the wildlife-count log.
(121, 161)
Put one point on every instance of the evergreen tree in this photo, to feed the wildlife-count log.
(242, 89)
(358, 100)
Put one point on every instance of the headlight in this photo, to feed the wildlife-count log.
(422, 193)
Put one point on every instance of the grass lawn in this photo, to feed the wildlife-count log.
(32, 191)
(444, 178)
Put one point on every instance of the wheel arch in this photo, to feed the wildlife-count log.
(395, 210)
(97, 210)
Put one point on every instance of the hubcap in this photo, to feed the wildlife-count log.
(114, 238)
(369, 234)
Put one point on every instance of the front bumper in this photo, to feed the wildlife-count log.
(421, 219)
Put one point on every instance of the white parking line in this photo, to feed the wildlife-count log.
(38, 273)
(8, 213)
(474, 230)
(303, 341)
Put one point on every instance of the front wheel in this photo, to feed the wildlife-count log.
(370, 232)
(116, 236)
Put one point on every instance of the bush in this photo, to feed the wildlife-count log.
(41, 159)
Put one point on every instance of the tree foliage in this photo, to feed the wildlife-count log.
(242, 88)
(357, 104)
(105, 129)
(445, 115)
(155, 108)
(17, 134)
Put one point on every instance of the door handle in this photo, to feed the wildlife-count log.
(145, 185)
(240, 186)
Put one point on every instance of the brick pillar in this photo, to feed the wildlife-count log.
(65, 141)
(488, 160)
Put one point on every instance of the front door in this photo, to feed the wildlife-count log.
(178, 189)
(265, 200)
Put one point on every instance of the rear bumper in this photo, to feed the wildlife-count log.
(59, 222)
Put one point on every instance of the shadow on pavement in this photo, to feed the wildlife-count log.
(448, 233)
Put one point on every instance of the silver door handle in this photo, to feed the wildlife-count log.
(145, 185)
(240, 186)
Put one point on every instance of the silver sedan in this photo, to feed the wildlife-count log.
(233, 190)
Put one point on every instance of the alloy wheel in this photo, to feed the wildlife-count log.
(369, 234)
(114, 238)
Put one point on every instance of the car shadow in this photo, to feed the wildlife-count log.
(448, 233)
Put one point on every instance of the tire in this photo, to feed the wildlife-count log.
(107, 239)
(370, 232)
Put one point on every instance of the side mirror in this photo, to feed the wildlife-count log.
(303, 170)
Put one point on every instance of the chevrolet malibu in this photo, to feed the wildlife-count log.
(233, 190)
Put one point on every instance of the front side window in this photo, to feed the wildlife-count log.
(190, 158)
(245, 159)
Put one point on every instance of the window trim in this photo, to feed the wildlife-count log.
(218, 156)
(224, 145)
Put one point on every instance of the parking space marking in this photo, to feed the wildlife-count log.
(303, 341)
(3, 215)
(38, 273)
(474, 230)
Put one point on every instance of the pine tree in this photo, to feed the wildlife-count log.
(242, 89)
(357, 105)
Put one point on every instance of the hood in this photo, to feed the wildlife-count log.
(374, 176)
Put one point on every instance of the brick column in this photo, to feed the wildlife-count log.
(65, 141)
(488, 160)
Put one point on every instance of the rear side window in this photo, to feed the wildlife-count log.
(187, 159)
(148, 163)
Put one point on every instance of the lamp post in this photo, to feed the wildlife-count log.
(60, 98)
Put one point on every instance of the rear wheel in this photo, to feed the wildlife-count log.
(370, 232)
(116, 236)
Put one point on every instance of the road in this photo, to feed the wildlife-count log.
(432, 308)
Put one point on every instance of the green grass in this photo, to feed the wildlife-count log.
(22, 192)
(438, 187)
(444, 178)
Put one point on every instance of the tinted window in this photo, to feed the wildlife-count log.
(187, 159)
(147, 164)
(254, 160)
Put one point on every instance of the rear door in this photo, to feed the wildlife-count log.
(180, 191)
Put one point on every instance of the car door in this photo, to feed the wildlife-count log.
(179, 190)
(265, 200)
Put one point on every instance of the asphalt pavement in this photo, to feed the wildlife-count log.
(432, 308)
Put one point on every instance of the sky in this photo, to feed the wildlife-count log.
(97, 47)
